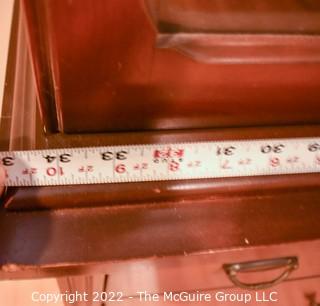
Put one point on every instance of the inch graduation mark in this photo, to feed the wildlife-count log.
(152, 162)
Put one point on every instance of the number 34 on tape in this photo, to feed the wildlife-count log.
(160, 162)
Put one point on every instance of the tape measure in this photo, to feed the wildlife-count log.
(160, 162)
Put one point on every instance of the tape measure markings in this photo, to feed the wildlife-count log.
(159, 162)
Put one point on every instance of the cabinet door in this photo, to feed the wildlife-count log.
(147, 65)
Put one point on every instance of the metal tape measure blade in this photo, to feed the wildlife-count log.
(161, 162)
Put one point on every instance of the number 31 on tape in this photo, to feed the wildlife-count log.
(160, 162)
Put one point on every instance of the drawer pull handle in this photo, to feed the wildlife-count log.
(232, 270)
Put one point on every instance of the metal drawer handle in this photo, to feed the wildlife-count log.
(289, 263)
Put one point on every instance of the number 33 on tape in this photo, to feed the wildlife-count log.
(161, 162)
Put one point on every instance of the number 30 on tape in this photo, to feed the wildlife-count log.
(160, 162)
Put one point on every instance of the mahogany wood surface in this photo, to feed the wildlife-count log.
(63, 240)
(86, 83)
(296, 293)
(97, 64)
(232, 16)
(204, 271)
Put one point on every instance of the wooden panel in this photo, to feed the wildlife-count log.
(72, 196)
(105, 67)
(205, 272)
(297, 293)
(232, 16)
(98, 88)
(38, 244)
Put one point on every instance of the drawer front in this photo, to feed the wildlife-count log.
(293, 293)
(205, 272)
